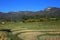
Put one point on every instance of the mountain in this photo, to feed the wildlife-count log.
(50, 12)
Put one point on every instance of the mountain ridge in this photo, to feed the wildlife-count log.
(49, 12)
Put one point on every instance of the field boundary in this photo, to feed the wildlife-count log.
(43, 31)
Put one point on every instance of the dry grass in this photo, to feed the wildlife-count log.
(33, 36)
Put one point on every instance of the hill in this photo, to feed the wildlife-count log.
(49, 12)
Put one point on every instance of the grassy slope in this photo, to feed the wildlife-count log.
(33, 25)
(30, 25)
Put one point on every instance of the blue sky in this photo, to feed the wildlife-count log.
(27, 5)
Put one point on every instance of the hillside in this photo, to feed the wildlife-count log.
(49, 12)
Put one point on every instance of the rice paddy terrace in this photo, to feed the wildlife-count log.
(7, 34)
(38, 34)
(30, 31)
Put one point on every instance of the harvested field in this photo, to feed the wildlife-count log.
(38, 35)
(50, 38)
(30, 35)
(32, 31)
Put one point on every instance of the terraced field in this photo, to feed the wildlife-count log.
(33, 30)
(39, 35)
(30, 35)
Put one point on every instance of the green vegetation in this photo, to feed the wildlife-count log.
(32, 25)
(45, 25)
(26, 20)
(8, 36)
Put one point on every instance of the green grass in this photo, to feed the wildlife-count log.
(32, 25)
